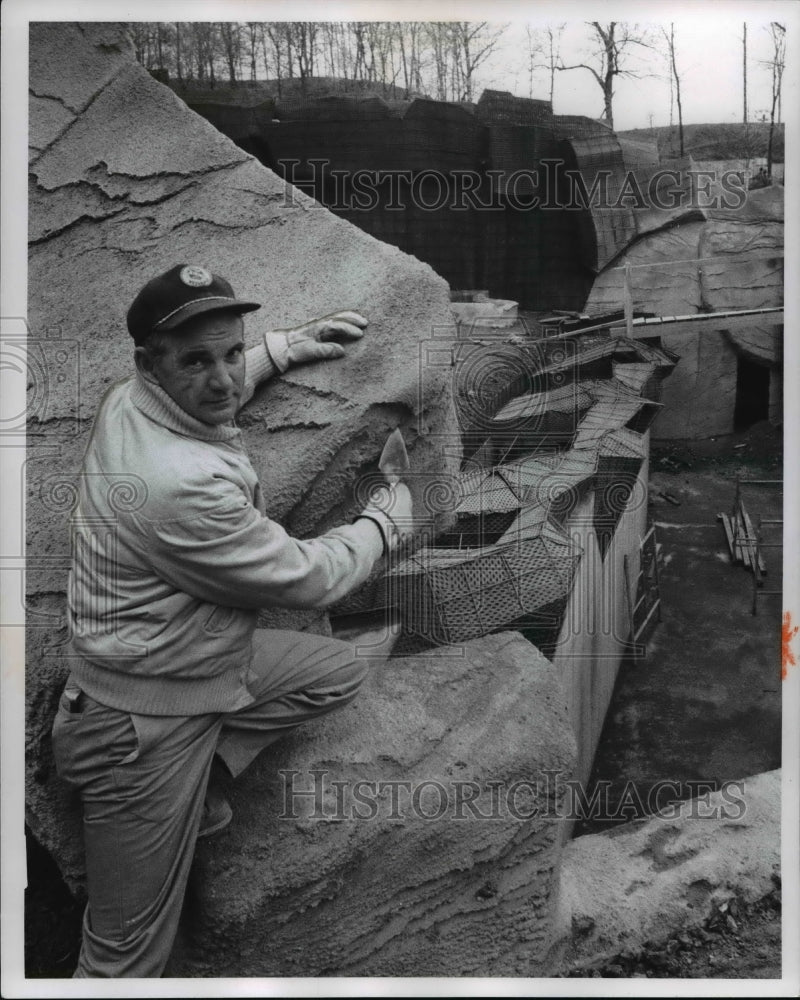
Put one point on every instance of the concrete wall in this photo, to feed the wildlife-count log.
(700, 397)
(596, 628)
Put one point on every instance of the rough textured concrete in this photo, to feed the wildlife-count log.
(646, 880)
(407, 895)
(125, 181)
(710, 261)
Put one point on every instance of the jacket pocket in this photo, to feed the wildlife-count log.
(219, 620)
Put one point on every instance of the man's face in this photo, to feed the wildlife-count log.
(202, 366)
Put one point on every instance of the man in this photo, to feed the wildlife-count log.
(173, 556)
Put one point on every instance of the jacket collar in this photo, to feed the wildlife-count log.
(162, 408)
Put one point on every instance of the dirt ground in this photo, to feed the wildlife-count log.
(739, 941)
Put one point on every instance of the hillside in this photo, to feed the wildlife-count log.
(714, 142)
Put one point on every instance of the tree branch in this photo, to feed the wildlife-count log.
(591, 69)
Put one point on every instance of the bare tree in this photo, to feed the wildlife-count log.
(331, 48)
(554, 33)
(276, 34)
(383, 40)
(544, 53)
(361, 69)
(230, 35)
(438, 36)
(473, 43)
(408, 39)
(441, 59)
(744, 72)
(776, 64)
(304, 34)
(674, 81)
(204, 42)
(178, 51)
(534, 49)
(614, 44)
(252, 37)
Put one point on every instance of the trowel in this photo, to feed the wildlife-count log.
(393, 462)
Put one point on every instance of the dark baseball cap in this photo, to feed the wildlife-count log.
(185, 291)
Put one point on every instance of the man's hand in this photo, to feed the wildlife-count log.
(390, 507)
(314, 341)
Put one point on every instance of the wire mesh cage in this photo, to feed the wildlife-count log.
(450, 596)
(638, 376)
(554, 411)
(503, 106)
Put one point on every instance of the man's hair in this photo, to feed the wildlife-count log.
(155, 344)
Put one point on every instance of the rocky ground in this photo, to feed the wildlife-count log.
(738, 941)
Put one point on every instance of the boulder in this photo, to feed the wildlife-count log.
(126, 181)
(644, 881)
(415, 832)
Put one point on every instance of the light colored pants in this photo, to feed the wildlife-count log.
(142, 780)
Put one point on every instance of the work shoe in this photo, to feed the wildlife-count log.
(217, 813)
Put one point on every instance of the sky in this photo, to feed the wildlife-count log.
(708, 51)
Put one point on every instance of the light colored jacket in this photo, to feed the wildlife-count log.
(173, 555)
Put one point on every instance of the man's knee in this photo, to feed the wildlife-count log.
(345, 680)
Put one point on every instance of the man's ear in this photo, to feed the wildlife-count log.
(144, 364)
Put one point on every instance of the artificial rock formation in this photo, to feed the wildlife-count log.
(415, 832)
(713, 260)
(126, 181)
(647, 880)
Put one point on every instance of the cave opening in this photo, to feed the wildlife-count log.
(752, 394)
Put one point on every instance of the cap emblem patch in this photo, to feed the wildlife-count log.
(195, 276)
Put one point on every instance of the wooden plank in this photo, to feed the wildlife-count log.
(726, 524)
(733, 542)
(752, 535)
(643, 626)
(741, 539)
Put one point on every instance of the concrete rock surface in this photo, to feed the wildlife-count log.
(126, 181)
(713, 260)
(453, 894)
(644, 881)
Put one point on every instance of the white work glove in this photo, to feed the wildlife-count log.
(391, 508)
(313, 341)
